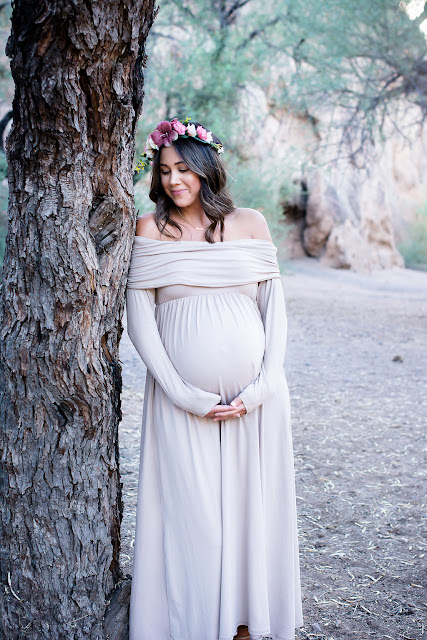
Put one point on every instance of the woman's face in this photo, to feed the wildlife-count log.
(180, 183)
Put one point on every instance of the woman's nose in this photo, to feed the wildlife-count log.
(175, 177)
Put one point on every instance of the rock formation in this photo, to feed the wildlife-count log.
(346, 217)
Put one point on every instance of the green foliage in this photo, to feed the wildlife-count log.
(264, 187)
(3, 166)
(3, 205)
(414, 247)
(362, 57)
(6, 82)
(3, 219)
(358, 55)
(143, 204)
(6, 95)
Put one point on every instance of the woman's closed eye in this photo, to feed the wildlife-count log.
(166, 173)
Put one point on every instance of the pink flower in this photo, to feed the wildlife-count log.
(178, 126)
(203, 134)
(191, 130)
(167, 132)
(164, 134)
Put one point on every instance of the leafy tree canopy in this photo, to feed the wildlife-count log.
(361, 56)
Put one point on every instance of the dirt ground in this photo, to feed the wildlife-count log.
(356, 367)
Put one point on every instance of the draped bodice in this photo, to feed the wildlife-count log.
(162, 263)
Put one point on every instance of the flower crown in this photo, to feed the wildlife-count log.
(167, 132)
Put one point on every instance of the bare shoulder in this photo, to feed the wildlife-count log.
(146, 227)
(254, 223)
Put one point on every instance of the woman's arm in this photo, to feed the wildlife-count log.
(143, 332)
(271, 303)
(272, 307)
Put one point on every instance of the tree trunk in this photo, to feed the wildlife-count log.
(77, 67)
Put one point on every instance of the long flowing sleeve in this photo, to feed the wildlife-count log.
(143, 332)
(271, 304)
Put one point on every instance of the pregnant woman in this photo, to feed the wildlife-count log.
(216, 551)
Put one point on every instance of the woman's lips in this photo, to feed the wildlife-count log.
(178, 192)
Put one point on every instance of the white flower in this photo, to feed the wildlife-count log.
(150, 153)
(221, 150)
(209, 136)
(151, 144)
(191, 130)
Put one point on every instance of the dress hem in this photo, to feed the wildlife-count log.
(260, 637)
(265, 635)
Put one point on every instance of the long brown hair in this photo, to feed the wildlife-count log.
(214, 196)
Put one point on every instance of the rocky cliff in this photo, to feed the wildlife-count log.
(345, 216)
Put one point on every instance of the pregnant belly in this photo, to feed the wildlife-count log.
(216, 341)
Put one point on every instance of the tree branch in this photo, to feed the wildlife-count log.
(258, 33)
(230, 13)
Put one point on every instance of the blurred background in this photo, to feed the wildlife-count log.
(320, 105)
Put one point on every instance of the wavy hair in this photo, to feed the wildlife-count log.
(214, 196)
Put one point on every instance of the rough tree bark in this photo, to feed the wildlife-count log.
(77, 67)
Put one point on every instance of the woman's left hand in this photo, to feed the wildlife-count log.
(235, 409)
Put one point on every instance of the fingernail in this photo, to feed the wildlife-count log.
(233, 404)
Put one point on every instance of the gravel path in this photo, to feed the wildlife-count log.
(356, 365)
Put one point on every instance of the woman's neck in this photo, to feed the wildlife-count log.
(194, 215)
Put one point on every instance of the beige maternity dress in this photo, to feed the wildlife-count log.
(216, 538)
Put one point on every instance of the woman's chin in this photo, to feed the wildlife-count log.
(179, 201)
(182, 202)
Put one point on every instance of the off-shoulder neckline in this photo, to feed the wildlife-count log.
(203, 241)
